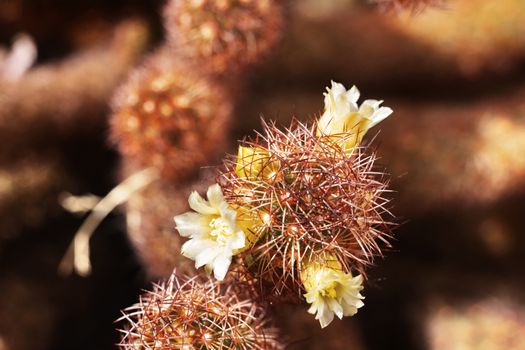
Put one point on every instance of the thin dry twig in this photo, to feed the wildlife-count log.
(77, 257)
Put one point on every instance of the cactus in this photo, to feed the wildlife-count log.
(184, 313)
(79, 87)
(169, 118)
(312, 196)
(223, 36)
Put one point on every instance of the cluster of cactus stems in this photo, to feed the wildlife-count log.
(300, 209)
(296, 215)
(172, 116)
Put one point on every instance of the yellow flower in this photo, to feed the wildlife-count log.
(343, 117)
(214, 232)
(330, 291)
(255, 163)
(254, 224)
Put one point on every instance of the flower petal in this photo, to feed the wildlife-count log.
(323, 124)
(342, 108)
(321, 307)
(191, 224)
(337, 89)
(350, 308)
(207, 255)
(314, 307)
(221, 265)
(228, 214)
(325, 317)
(215, 196)
(335, 307)
(380, 115)
(353, 94)
(373, 104)
(194, 247)
(238, 240)
(200, 205)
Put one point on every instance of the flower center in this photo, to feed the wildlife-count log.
(220, 230)
(329, 290)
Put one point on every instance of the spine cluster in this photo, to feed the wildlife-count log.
(187, 313)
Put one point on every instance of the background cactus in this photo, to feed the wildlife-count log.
(169, 118)
(411, 5)
(79, 85)
(28, 194)
(224, 36)
(188, 313)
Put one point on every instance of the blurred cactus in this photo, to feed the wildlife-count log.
(481, 324)
(191, 314)
(479, 36)
(411, 5)
(169, 118)
(321, 44)
(444, 46)
(223, 36)
(174, 120)
(79, 87)
(28, 193)
(480, 146)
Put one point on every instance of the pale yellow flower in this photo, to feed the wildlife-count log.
(330, 291)
(214, 232)
(344, 118)
(255, 163)
(254, 223)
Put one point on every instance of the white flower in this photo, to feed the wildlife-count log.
(343, 115)
(331, 292)
(215, 235)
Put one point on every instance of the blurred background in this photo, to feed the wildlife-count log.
(454, 149)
